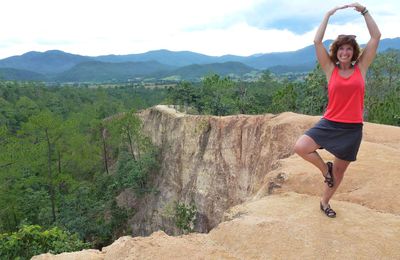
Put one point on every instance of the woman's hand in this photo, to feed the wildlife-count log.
(358, 7)
(331, 12)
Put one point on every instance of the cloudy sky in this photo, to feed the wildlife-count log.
(212, 27)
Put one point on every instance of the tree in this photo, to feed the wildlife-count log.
(9, 215)
(51, 159)
(7, 114)
(244, 99)
(45, 127)
(183, 94)
(285, 99)
(382, 102)
(136, 156)
(216, 96)
(129, 128)
(21, 194)
(25, 108)
(313, 94)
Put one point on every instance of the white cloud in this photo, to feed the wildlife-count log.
(96, 27)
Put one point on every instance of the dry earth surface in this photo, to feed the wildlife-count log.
(282, 219)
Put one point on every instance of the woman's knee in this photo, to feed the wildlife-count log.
(298, 148)
(301, 147)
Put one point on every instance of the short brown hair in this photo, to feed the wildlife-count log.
(341, 40)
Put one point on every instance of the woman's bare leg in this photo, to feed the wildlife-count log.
(339, 168)
(306, 148)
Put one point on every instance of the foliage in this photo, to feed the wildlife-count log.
(312, 98)
(32, 240)
(82, 211)
(185, 216)
(284, 99)
(383, 89)
(183, 95)
(223, 96)
(135, 173)
(52, 163)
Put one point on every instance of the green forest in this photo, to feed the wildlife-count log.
(68, 151)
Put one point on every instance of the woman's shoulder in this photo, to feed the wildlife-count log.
(363, 70)
(357, 68)
(329, 70)
(335, 69)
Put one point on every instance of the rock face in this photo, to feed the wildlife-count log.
(212, 162)
(260, 200)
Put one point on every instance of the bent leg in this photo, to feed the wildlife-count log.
(339, 168)
(306, 147)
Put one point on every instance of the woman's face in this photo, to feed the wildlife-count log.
(345, 53)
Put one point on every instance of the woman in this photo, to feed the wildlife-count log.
(340, 129)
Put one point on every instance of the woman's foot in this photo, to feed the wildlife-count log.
(329, 175)
(327, 210)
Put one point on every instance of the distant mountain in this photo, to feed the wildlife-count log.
(304, 57)
(196, 71)
(62, 66)
(389, 43)
(49, 62)
(97, 71)
(16, 74)
(172, 58)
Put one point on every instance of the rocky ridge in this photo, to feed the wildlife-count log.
(255, 198)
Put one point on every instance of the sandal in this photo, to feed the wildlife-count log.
(329, 175)
(328, 211)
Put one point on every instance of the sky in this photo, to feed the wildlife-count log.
(211, 27)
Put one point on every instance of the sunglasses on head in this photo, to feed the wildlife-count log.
(347, 36)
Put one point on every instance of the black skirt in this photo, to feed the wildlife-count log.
(340, 139)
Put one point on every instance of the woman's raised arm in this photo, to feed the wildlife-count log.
(369, 51)
(322, 55)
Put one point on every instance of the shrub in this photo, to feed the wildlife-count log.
(32, 240)
(185, 216)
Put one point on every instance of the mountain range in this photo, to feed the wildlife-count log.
(59, 66)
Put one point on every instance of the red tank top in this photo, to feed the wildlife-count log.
(345, 97)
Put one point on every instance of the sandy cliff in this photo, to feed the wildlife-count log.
(257, 199)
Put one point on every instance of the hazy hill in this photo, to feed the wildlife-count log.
(196, 71)
(302, 56)
(303, 59)
(389, 43)
(173, 58)
(17, 74)
(49, 62)
(305, 56)
(97, 71)
(62, 66)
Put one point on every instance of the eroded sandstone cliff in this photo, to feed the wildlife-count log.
(212, 162)
(241, 171)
